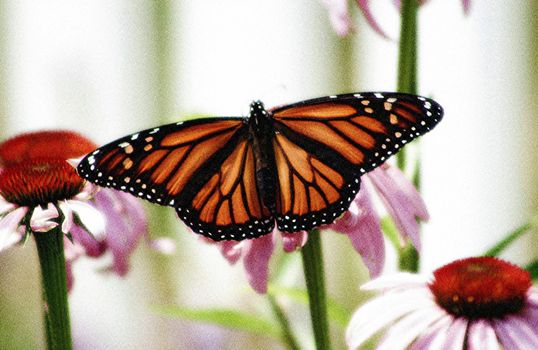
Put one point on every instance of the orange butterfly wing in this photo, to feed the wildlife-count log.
(323, 146)
(204, 168)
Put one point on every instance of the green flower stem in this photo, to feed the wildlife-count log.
(407, 82)
(315, 286)
(407, 59)
(50, 248)
(287, 335)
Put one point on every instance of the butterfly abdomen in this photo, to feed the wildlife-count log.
(262, 132)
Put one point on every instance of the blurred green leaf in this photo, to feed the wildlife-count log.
(533, 269)
(337, 313)
(228, 318)
(509, 239)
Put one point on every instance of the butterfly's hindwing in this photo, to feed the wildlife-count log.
(228, 206)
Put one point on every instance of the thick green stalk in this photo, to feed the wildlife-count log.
(315, 286)
(407, 82)
(407, 59)
(50, 248)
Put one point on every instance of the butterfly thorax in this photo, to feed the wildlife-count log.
(261, 132)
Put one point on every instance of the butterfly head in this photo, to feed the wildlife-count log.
(257, 107)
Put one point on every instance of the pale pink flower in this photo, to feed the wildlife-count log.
(39, 191)
(474, 303)
(360, 223)
(341, 19)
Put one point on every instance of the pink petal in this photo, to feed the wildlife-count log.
(231, 250)
(405, 330)
(515, 333)
(482, 336)
(293, 241)
(8, 227)
(256, 261)
(381, 311)
(89, 216)
(72, 250)
(68, 218)
(74, 161)
(398, 203)
(5, 206)
(434, 336)
(532, 296)
(364, 5)
(69, 275)
(361, 224)
(410, 191)
(396, 281)
(91, 246)
(455, 336)
(339, 16)
(466, 6)
(41, 220)
(125, 225)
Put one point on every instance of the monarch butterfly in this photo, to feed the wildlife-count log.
(231, 178)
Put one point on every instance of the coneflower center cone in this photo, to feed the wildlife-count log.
(39, 181)
(482, 287)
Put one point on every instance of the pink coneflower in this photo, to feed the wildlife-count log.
(360, 223)
(39, 190)
(341, 19)
(473, 303)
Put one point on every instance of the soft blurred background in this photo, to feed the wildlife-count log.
(108, 68)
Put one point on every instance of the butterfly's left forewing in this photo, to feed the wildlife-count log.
(204, 168)
(323, 146)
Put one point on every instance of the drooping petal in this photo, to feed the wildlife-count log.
(90, 217)
(404, 280)
(293, 241)
(409, 327)
(68, 221)
(410, 191)
(399, 201)
(256, 261)
(42, 219)
(374, 314)
(91, 246)
(124, 227)
(230, 250)
(129, 206)
(455, 335)
(434, 336)
(362, 226)
(466, 6)
(339, 16)
(532, 296)
(5, 206)
(9, 234)
(482, 336)
(515, 333)
(364, 5)
(69, 275)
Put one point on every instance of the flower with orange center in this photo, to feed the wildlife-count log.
(39, 190)
(473, 303)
